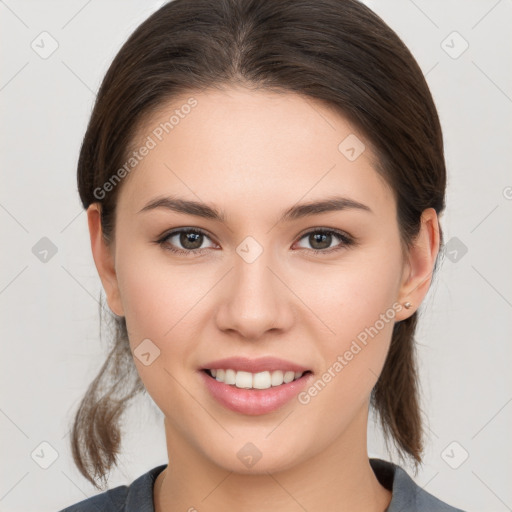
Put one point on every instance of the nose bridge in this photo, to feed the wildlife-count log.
(253, 279)
(255, 301)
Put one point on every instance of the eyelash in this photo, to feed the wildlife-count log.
(347, 241)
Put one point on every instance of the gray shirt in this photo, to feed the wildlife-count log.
(407, 496)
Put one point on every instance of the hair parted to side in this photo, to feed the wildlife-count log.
(337, 51)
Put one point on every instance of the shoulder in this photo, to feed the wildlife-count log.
(406, 494)
(111, 500)
(138, 496)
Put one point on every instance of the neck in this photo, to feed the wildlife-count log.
(339, 478)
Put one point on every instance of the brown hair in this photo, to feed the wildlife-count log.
(336, 51)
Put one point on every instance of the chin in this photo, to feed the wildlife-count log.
(254, 458)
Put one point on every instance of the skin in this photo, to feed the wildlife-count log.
(254, 154)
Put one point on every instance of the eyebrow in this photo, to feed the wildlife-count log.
(297, 211)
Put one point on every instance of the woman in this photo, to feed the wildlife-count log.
(263, 182)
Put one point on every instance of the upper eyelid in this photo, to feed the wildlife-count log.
(177, 231)
(339, 233)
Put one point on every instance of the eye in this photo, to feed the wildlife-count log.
(191, 239)
(321, 240)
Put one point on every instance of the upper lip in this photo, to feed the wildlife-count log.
(254, 365)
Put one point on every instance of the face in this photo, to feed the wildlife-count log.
(319, 291)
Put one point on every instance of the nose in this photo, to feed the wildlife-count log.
(255, 298)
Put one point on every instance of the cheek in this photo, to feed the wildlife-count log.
(155, 294)
(162, 302)
(351, 296)
(356, 306)
(158, 302)
(353, 359)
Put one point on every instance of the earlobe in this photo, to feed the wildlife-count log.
(103, 255)
(420, 265)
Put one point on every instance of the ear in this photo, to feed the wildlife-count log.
(103, 255)
(421, 259)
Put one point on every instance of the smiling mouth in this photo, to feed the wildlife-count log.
(256, 381)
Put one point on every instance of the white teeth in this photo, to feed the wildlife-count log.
(288, 377)
(261, 380)
(243, 380)
(230, 377)
(277, 378)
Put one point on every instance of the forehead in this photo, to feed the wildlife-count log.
(248, 147)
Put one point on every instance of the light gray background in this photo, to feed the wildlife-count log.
(49, 312)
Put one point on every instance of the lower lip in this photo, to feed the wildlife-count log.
(254, 401)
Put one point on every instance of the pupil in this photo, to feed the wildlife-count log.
(322, 238)
(189, 240)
